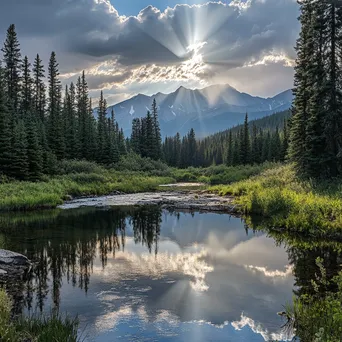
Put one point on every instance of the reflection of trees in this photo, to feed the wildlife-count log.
(305, 267)
(146, 226)
(65, 246)
(311, 307)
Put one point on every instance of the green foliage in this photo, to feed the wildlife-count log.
(316, 123)
(38, 329)
(289, 202)
(135, 163)
(37, 131)
(78, 166)
(81, 178)
(240, 145)
(318, 317)
(146, 137)
(220, 174)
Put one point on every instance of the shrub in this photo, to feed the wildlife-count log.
(78, 166)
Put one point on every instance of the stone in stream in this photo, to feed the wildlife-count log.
(13, 264)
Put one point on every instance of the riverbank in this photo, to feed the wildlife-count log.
(50, 193)
(288, 203)
(40, 329)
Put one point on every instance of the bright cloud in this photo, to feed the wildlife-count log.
(193, 45)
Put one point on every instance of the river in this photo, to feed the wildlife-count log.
(149, 274)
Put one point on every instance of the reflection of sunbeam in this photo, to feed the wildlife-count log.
(257, 328)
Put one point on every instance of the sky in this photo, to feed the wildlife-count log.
(128, 47)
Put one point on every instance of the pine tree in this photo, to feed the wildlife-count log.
(12, 59)
(34, 151)
(229, 160)
(39, 89)
(304, 48)
(114, 137)
(101, 130)
(285, 145)
(157, 140)
(192, 149)
(19, 164)
(27, 82)
(136, 135)
(149, 137)
(245, 143)
(5, 131)
(55, 128)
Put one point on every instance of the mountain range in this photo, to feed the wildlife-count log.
(208, 110)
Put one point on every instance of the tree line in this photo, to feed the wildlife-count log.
(40, 125)
(241, 145)
(316, 124)
(146, 137)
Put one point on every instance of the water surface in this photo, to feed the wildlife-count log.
(146, 274)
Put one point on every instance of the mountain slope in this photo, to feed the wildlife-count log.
(207, 110)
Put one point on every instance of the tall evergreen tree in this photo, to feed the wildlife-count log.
(5, 131)
(39, 89)
(157, 140)
(12, 61)
(304, 48)
(27, 82)
(19, 162)
(245, 143)
(102, 130)
(55, 128)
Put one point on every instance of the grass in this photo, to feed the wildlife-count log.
(34, 329)
(317, 317)
(220, 174)
(75, 179)
(278, 195)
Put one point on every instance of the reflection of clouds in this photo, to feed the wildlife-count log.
(258, 329)
(111, 318)
(272, 274)
(191, 264)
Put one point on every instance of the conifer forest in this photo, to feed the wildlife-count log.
(192, 211)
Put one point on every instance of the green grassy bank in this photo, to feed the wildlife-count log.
(77, 178)
(39, 329)
(285, 201)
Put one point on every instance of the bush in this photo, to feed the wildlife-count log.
(136, 163)
(66, 167)
(289, 202)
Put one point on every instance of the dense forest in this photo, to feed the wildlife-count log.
(316, 133)
(39, 125)
(251, 143)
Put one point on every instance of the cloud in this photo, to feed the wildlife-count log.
(183, 44)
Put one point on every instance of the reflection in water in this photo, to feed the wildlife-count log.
(152, 274)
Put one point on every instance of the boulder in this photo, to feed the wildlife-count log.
(12, 258)
(13, 264)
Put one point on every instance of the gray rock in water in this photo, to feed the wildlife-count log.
(8, 258)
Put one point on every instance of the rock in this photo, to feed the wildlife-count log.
(13, 265)
(68, 198)
(12, 258)
(169, 200)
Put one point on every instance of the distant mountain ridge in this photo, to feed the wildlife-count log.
(208, 110)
